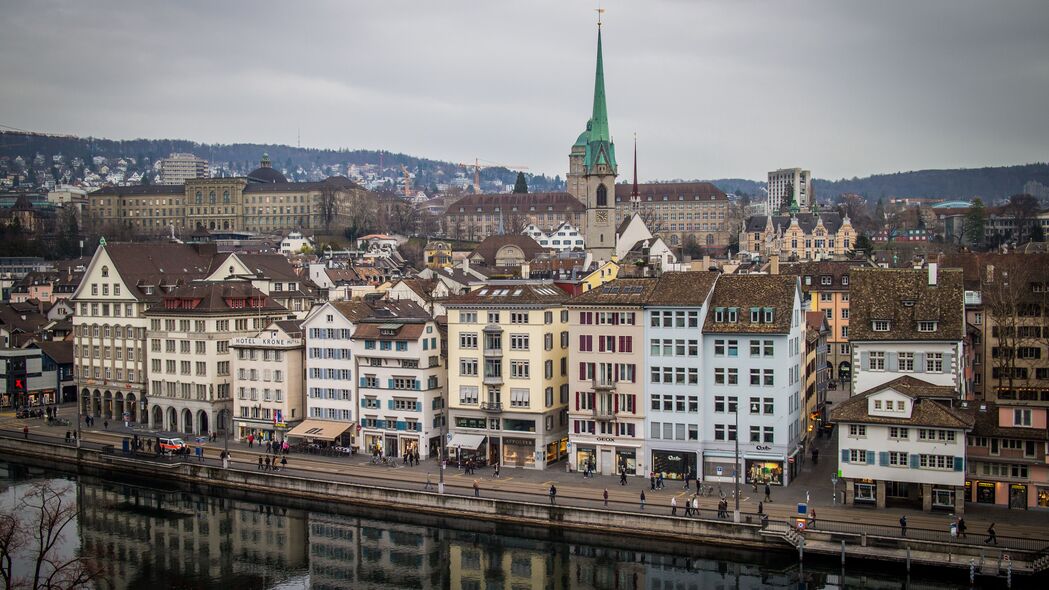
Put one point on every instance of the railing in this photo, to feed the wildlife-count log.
(492, 406)
(604, 414)
(931, 535)
(604, 384)
(493, 351)
(492, 380)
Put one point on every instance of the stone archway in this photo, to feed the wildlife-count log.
(202, 423)
(187, 421)
(131, 407)
(157, 422)
(844, 370)
(107, 405)
(118, 406)
(85, 402)
(172, 421)
(96, 403)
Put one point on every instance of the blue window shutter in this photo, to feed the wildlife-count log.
(389, 383)
(883, 458)
(915, 461)
(418, 406)
(845, 455)
(959, 463)
(362, 382)
(418, 384)
(870, 457)
(919, 362)
(891, 362)
(389, 404)
(948, 360)
(865, 362)
(364, 403)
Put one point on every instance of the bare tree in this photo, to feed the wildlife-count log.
(652, 220)
(1009, 305)
(36, 531)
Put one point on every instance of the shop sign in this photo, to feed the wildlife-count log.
(674, 458)
(763, 448)
(519, 442)
(266, 342)
(719, 470)
(606, 439)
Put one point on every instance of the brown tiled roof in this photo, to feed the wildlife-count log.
(524, 203)
(816, 270)
(985, 416)
(353, 311)
(424, 288)
(511, 293)
(60, 351)
(683, 288)
(271, 266)
(625, 291)
(488, 249)
(159, 264)
(293, 328)
(904, 298)
(371, 330)
(925, 410)
(814, 322)
(747, 291)
(980, 267)
(214, 296)
(654, 192)
(915, 387)
(20, 317)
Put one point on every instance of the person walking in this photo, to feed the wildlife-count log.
(768, 492)
(659, 481)
(903, 526)
(251, 441)
(642, 499)
(606, 497)
(695, 506)
(429, 483)
(260, 462)
(812, 518)
(992, 536)
(622, 477)
(553, 494)
(652, 481)
(477, 489)
(497, 471)
(283, 463)
(673, 506)
(688, 506)
(961, 528)
(25, 431)
(761, 508)
(105, 425)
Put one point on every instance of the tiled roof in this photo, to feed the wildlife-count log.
(489, 248)
(518, 203)
(511, 293)
(915, 387)
(60, 351)
(816, 270)
(683, 288)
(806, 221)
(622, 291)
(214, 297)
(271, 266)
(293, 328)
(985, 416)
(410, 331)
(903, 297)
(157, 264)
(925, 410)
(673, 191)
(746, 291)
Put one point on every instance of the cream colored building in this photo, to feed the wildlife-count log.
(507, 374)
(800, 236)
(190, 365)
(268, 396)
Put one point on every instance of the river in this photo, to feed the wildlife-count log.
(161, 536)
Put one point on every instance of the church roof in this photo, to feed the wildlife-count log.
(597, 139)
(832, 221)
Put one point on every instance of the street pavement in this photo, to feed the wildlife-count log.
(813, 483)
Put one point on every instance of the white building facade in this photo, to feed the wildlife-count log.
(786, 182)
(563, 238)
(268, 380)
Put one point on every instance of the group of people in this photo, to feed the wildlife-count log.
(411, 457)
(271, 446)
(269, 462)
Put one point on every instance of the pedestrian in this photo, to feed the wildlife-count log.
(200, 454)
(606, 497)
(903, 526)
(251, 441)
(429, 483)
(761, 508)
(659, 480)
(768, 493)
(688, 506)
(283, 463)
(477, 489)
(961, 527)
(260, 462)
(226, 459)
(105, 425)
(497, 471)
(687, 475)
(553, 493)
(992, 536)
(74, 436)
(673, 506)
(622, 477)
(652, 481)
(67, 436)
(642, 499)
(695, 506)
(25, 431)
(812, 518)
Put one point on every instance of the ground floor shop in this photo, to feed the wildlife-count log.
(325, 433)
(508, 450)
(398, 444)
(607, 457)
(757, 469)
(261, 430)
(1011, 494)
(898, 494)
(674, 463)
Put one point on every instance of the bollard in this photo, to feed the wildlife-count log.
(843, 552)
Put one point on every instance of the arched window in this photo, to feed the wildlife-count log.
(225, 197)
(211, 197)
(105, 271)
(200, 197)
(710, 239)
(602, 196)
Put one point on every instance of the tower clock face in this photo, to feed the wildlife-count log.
(602, 216)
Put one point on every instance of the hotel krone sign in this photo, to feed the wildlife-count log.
(266, 342)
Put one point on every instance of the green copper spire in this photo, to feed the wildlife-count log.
(599, 118)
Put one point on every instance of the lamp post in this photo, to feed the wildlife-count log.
(735, 513)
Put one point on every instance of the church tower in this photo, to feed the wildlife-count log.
(592, 171)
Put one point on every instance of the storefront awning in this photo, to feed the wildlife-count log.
(466, 441)
(754, 457)
(320, 429)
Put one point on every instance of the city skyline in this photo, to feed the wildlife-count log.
(883, 89)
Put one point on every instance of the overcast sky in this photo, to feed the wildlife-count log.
(713, 89)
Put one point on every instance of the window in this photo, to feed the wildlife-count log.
(877, 361)
(926, 326)
(519, 398)
(767, 377)
(468, 340)
(719, 377)
(467, 317)
(733, 376)
(1021, 417)
(467, 394)
(733, 348)
(518, 341)
(898, 433)
(857, 456)
(880, 325)
(519, 317)
(934, 362)
(769, 434)
(906, 361)
(857, 430)
(719, 348)
(936, 462)
(519, 369)
(468, 367)
(493, 317)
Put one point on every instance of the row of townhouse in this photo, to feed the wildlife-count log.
(637, 375)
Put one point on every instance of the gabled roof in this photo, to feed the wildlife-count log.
(557, 202)
(683, 288)
(512, 293)
(914, 387)
(215, 297)
(986, 423)
(60, 351)
(270, 266)
(926, 410)
(157, 264)
(621, 291)
(806, 221)
(369, 329)
(673, 191)
(747, 291)
(903, 297)
(835, 269)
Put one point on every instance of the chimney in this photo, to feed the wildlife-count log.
(774, 264)
(466, 264)
(932, 273)
(706, 261)
(990, 273)
(526, 270)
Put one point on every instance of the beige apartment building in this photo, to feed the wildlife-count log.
(190, 365)
(268, 397)
(507, 375)
(799, 236)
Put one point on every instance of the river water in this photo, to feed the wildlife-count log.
(158, 537)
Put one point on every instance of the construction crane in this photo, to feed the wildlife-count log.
(477, 165)
(407, 182)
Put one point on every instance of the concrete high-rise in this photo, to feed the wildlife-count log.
(787, 185)
(178, 168)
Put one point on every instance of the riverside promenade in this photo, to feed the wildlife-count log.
(867, 533)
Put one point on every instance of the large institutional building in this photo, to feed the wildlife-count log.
(262, 201)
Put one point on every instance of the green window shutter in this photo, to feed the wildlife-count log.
(845, 455)
(883, 458)
(915, 461)
(870, 457)
(959, 463)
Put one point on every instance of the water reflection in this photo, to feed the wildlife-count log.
(151, 537)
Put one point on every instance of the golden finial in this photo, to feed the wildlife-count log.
(599, 11)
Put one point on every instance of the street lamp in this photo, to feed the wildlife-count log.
(735, 514)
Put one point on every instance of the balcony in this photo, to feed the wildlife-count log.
(492, 406)
(493, 352)
(604, 384)
(492, 380)
(604, 415)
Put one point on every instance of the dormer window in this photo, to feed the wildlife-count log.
(755, 315)
(844, 278)
(880, 325)
(105, 271)
(908, 302)
(768, 315)
(719, 314)
(733, 315)
(826, 280)
(926, 326)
